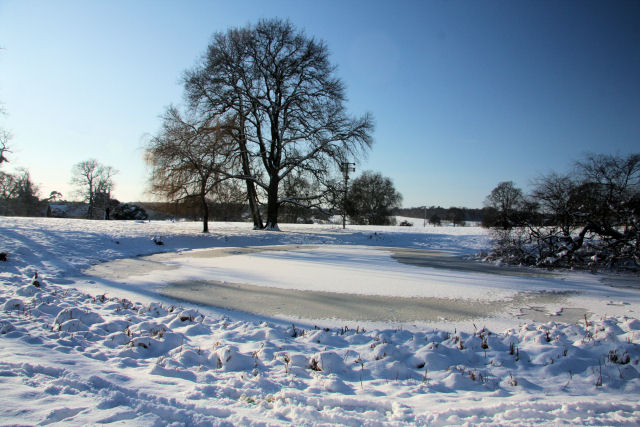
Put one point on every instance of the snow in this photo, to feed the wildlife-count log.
(329, 268)
(89, 349)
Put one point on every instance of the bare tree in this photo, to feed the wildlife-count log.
(589, 218)
(8, 185)
(506, 199)
(435, 220)
(19, 194)
(5, 136)
(4, 145)
(456, 216)
(288, 104)
(28, 192)
(189, 157)
(8, 182)
(92, 179)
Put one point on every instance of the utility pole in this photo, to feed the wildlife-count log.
(346, 167)
(425, 216)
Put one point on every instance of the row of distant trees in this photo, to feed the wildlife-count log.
(371, 200)
(437, 215)
(588, 217)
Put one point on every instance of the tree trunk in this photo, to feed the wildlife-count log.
(205, 212)
(252, 195)
(253, 206)
(251, 188)
(90, 210)
(272, 205)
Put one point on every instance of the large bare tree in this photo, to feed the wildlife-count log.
(189, 157)
(93, 180)
(288, 104)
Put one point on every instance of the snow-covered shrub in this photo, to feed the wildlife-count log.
(6, 327)
(86, 317)
(232, 360)
(14, 304)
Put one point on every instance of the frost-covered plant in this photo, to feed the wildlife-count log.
(314, 365)
(287, 360)
(621, 359)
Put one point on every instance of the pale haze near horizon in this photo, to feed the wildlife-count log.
(464, 95)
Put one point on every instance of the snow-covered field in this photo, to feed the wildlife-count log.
(79, 349)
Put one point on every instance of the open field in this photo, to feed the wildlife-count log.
(311, 325)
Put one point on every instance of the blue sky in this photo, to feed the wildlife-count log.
(464, 94)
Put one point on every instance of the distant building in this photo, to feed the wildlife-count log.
(57, 210)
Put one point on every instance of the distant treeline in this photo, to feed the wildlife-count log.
(190, 209)
(26, 204)
(452, 214)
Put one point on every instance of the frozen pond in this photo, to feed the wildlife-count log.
(320, 305)
(352, 283)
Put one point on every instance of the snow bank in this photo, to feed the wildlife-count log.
(74, 358)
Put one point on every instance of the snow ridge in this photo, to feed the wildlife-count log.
(109, 359)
